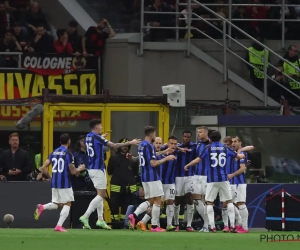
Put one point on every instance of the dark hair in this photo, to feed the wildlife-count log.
(187, 132)
(64, 138)
(149, 130)
(60, 32)
(215, 136)
(78, 142)
(236, 137)
(17, 24)
(94, 123)
(210, 132)
(73, 24)
(42, 25)
(172, 137)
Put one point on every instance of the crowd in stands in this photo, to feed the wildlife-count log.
(24, 28)
(263, 29)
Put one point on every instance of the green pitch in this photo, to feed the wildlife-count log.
(47, 239)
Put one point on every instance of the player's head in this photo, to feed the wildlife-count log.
(150, 132)
(124, 150)
(65, 140)
(202, 133)
(228, 141)
(215, 136)
(96, 126)
(186, 137)
(172, 142)
(157, 143)
(236, 142)
(14, 140)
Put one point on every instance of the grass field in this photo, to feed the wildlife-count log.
(47, 239)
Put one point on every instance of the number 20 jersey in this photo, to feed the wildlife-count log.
(146, 154)
(218, 158)
(60, 159)
(95, 150)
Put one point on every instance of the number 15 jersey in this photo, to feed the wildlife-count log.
(218, 158)
(146, 154)
(60, 159)
(95, 150)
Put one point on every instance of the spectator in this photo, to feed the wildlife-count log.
(21, 36)
(276, 27)
(254, 12)
(38, 160)
(81, 182)
(6, 20)
(33, 17)
(43, 42)
(223, 12)
(16, 160)
(239, 13)
(62, 45)
(159, 20)
(258, 64)
(74, 38)
(293, 85)
(94, 39)
(9, 44)
(17, 7)
(123, 183)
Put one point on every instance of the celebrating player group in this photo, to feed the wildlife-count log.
(197, 172)
(169, 172)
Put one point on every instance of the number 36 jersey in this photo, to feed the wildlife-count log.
(60, 159)
(217, 158)
(146, 154)
(95, 150)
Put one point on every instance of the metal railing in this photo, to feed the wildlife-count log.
(283, 20)
(223, 44)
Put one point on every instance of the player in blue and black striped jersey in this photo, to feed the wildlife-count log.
(217, 158)
(95, 142)
(151, 180)
(237, 177)
(168, 180)
(184, 180)
(62, 194)
(233, 184)
(200, 178)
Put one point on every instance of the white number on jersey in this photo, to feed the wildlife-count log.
(90, 149)
(218, 160)
(58, 165)
(141, 159)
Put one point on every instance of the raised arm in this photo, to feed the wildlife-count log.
(155, 163)
(192, 163)
(124, 144)
(247, 148)
(165, 152)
